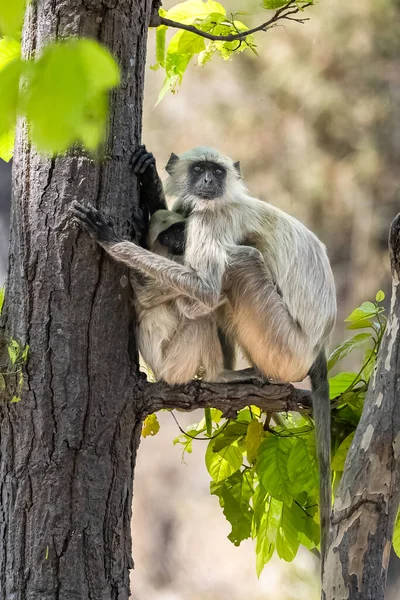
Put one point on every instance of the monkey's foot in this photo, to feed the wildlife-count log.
(143, 162)
(250, 375)
(92, 221)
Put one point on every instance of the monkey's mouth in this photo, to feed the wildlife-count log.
(207, 194)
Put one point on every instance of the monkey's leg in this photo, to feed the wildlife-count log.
(167, 272)
(260, 321)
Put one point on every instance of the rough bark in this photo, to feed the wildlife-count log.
(368, 496)
(68, 447)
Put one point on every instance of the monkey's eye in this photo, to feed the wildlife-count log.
(218, 172)
(197, 169)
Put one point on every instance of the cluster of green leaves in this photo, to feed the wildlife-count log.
(209, 17)
(263, 467)
(63, 93)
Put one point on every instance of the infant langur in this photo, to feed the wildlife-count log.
(175, 347)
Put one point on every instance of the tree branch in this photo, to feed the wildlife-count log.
(227, 397)
(291, 8)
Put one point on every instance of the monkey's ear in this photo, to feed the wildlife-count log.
(237, 168)
(172, 160)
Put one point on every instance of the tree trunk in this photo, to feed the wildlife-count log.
(68, 447)
(367, 500)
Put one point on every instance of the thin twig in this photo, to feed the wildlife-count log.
(280, 14)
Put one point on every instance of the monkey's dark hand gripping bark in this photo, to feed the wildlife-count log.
(152, 196)
(99, 227)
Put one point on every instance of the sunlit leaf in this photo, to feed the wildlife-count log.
(66, 99)
(188, 12)
(254, 437)
(11, 16)
(267, 532)
(302, 468)
(341, 453)
(361, 317)
(151, 426)
(223, 463)
(380, 296)
(346, 347)
(287, 542)
(9, 95)
(9, 49)
(272, 466)
(7, 141)
(234, 495)
(340, 383)
(396, 535)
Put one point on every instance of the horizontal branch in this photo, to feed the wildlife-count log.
(286, 12)
(229, 398)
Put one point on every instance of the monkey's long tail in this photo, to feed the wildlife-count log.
(322, 418)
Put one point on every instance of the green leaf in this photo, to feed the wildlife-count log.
(369, 362)
(234, 495)
(360, 318)
(274, 4)
(12, 16)
(13, 351)
(341, 453)
(66, 96)
(9, 49)
(15, 399)
(2, 293)
(346, 347)
(396, 535)
(151, 426)
(340, 383)
(160, 45)
(216, 415)
(302, 468)
(188, 12)
(208, 420)
(233, 432)
(9, 97)
(380, 296)
(7, 145)
(267, 533)
(223, 463)
(254, 437)
(272, 466)
(287, 543)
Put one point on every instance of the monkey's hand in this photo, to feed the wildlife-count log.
(151, 189)
(92, 221)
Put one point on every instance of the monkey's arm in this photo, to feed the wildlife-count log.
(166, 272)
(152, 195)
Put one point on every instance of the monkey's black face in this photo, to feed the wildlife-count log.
(207, 179)
(173, 238)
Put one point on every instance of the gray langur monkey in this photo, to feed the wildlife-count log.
(280, 295)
